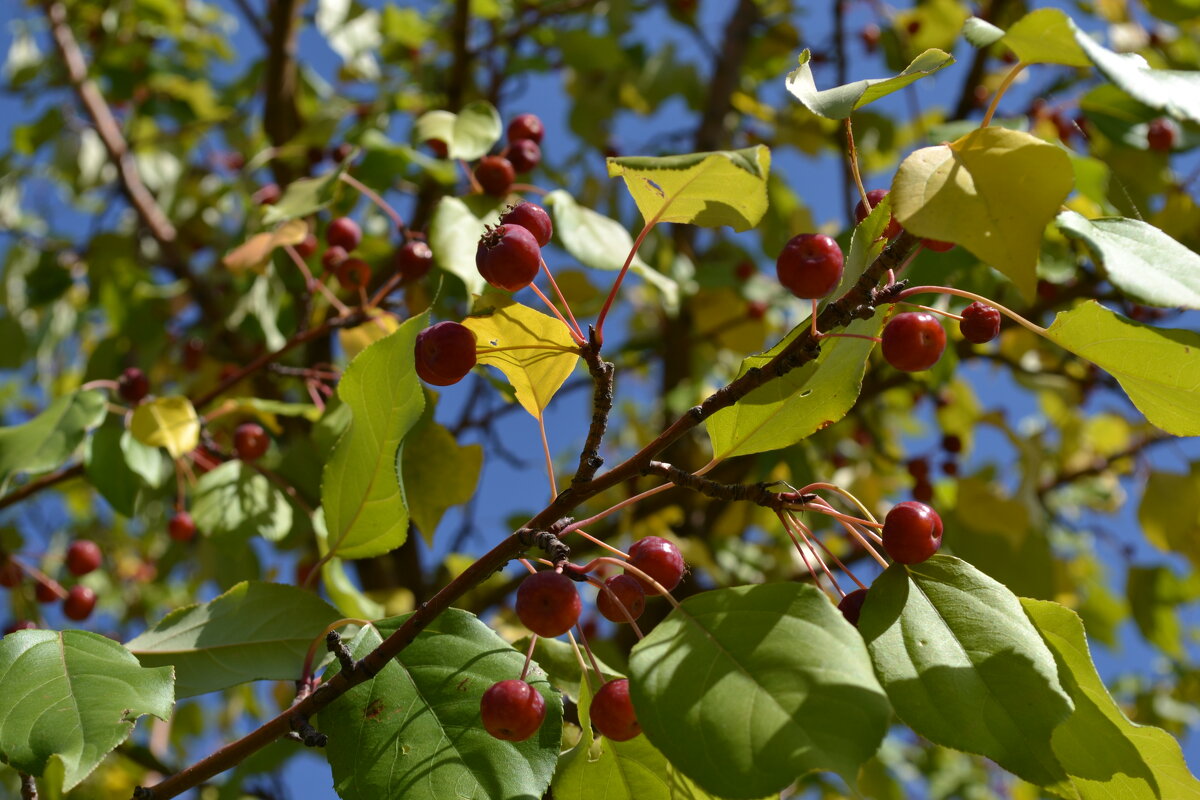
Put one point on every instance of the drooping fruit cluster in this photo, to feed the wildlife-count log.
(912, 532)
(612, 712)
(495, 174)
(810, 265)
(445, 353)
(508, 257)
(913, 341)
(512, 710)
(980, 323)
(658, 558)
(548, 603)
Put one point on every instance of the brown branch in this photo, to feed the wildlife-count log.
(602, 403)
(256, 22)
(1101, 465)
(757, 493)
(37, 485)
(281, 116)
(460, 69)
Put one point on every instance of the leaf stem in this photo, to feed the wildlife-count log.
(1008, 79)
(541, 421)
(557, 348)
(371, 195)
(612, 294)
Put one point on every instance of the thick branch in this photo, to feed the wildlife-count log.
(757, 493)
(602, 403)
(281, 117)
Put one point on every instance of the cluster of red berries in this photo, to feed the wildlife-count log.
(496, 174)
(82, 557)
(412, 260)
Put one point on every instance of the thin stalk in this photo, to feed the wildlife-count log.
(1008, 79)
(625, 565)
(583, 667)
(312, 282)
(374, 198)
(558, 293)
(612, 294)
(599, 584)
(483, 351)
(591, 656)
(1014, 316)
(933, 310)
(541, 421)
(852, 154)
(832, 487)
(807, 535)
(575, 335)
(529, 655)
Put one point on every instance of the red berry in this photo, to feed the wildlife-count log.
(79, 603)
(414, 260)
(548, 604)
(936, 246)
(526, 126)
(508, 257)
(950, 468)
(756, 309)
(332, 257)
(83, 556)
(20, 625)
(918, 468)
(342, 152)
(923, 491)
(912, 532)
(437, 147)
(952, 443)
(1161, 135)
(851, 605)
(445, 353)
(621, 591)
(524, 155)
(10, 573)
(870, 35)
(913, 341)
(512, 710)
(495, 174)
(980, 323)
(353, 274)
(250, 441)
(306, 248)
(810, 265)
(193, 350)
(268, 195)
(343, 232)
(181, 527)
(612, 712)
(133, 385)
(47, 591)
(874, 197)
(745, 270)
(658, 558)
(532, 218)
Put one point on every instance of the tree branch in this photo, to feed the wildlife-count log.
(37, 485)
(281, 117)
(602, 403)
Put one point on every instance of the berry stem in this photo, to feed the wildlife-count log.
(808, 536)
(558, 293)
(541, 421)
(475, 187)
(371, 195)
(603, 587)
(529, 655)
(599, 542)
(799, 549)
(583, 667)
(822, 508)
(575, 334)
(832, 487)
(612, 293)
(1014, 316)
(312, 282)
(100, 384)
(521, 188)
(558, 348)
(852, 155)
(842, 566)
(1008, 79)
(933, 310)
(591, 656)
(658, 587)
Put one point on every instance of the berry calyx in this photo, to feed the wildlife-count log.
(1161, 135)
(508, 257)
(495, 174)
(658, 558)
(414, 259)
(445, 353)
(851, 605)
(548, 604)
(524, 155)
(332, 257)
(181, 527)
(621, 591)
(913, 341)
(810, 265)
(353, 274)
(612, 712)
(532, 218)
(83, 556)
(980, 323)
(133, 385)
(250, 441)
(512, 710)
(526, 126)
(79, 603)
(874, 197)
(343, 232)
(912, 532)
(306, 248)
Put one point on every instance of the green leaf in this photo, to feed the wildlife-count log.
(866, 243)
(365, 507)
(593, 239)
(1140, 260)
(808, 399)
(342, 591)
(413, 731)
(437, 472)
(745, 689)
(106, 469)
(72, 696)
(1106, 755)
(454, 232)
(728, 187)
(975, 192)
(49, 439)
(535, 374)
(963, 666)
(1157, 367)
(307, 196)
(981, 33)
(468, 134)
(1154, 594)
(1046, 36)
(234, 499)
(254, 631)
(167, 422)
(1170, 512)
(841, 101)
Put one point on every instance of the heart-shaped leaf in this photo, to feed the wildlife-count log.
(841, 101)
(50, 438)
(167, 422)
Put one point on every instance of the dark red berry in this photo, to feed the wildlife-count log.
(413, 260)
(851, 605)
(512, 710)
(950, 467)
(437, 147)
(524, 154)
(20, 625)
(10, 573)
(810, 265)
(332, 257)
(936, 246)
(250, 441)
(923, 491)
(532, 218)
(133, 385)
(495, 174)
(193, 349)
(912, 532)
(83, 556)
(874, 197)
(980, 323)
(526, 126)
(343, 232)
(342, 152)
(870, 36)
(79, 603)
(1161, 135)
(756, 309)
(952, 443)
(621, 591)
(918, 468)
(913, 341)
(353, 274)
(508, 257)
(745, 270)
(181, 527)
(548, 603)
(268, 195)
(47, 591)
(445, 353)
(912, 26)
(306, 248)
(612, 712)
(658, 558)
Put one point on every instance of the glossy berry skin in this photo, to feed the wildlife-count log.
(508, 257)
(980, 323)
(353, 274)
(612, 712)
(622, 591)
(532, 218)
(524, 155)
(936, 246)
(810, 265)
(548, 604)
(445, 353)
(414, 259)
(526, 126)
(83, 556)
(133, 385)
(912, 532)
(512, 710)
(851, 605)
(181, 527)
(79, 603)
(658, 558)
(343, 232)
(874, 197)
(913, 341)
(10, 573)
(46, 592)
(1160, 135)
(332, 257)
(250, 441)
(495, 174)
(306, 248)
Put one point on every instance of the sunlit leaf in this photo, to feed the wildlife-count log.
(438, 473)
(49, 439)
(304, 197)
(1176, 92)
(235, 500)
(342, 591)
(1169, 512)
(841, 101)
(454, 232)
(595, 240)
(355, 340)
(255, 251)
(1045, 36)
(167, 422)
(468, 135)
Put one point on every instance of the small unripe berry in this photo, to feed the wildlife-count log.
(874, 197)
(414, 260)
(133, 385)
(495, 174)
(250, 441)
(810, 265)
(980, 323)
(343, 232)
(912, 532)
(181, 527)
(512, 710)
(621, 591)
(79, 603)
(532, 218)
(526, 126)
(612, 712)
(508, 257)
(353, 274)
(524, 155)
(913, 341)
(445, 353)
(83, 556)
(548, 603)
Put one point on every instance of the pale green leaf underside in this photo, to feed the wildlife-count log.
(841, 101)
(49, 439)
(593, 239)
(454, 232)
(1176, 92)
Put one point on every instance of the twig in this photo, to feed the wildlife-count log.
(603, 373)
(44, 482)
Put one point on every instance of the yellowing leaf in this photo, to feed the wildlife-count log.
(254, 252)
(355, 340)
(437, 472)
(169, 422)
(534, 373)
(1046, 36)
(993, 191)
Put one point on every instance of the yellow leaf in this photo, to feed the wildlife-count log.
(355, 340)
(535, 373)
(254, 252)
(169, 422)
